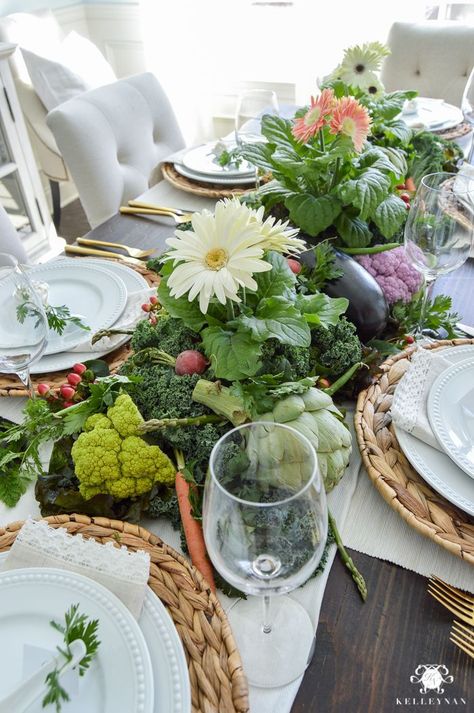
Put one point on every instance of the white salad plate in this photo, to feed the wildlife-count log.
(202, 160)
(95, 294)
(221, 179)
(120, 677)
(133, 282)
(434, 114)
(451, 413)
(172, 691)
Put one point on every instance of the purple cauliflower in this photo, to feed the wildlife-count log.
(398, 279)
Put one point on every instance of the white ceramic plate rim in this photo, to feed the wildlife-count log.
(218, 180)
(434, 126)
(189, 162)
(437, 414)
(113, 610)
(65, 360)
(159, 623)
(113, 301)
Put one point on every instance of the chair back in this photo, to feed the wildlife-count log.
(435, 58)
(112, 139)
(9, 239)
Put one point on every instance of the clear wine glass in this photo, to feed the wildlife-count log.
(439, 229)
(23, 322)
(467, 106)
(251, 106)
(265, 526)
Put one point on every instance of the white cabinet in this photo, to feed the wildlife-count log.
(21, 192)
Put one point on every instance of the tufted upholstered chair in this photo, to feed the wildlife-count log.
(112, 139)
(9, 239)
(435, 58)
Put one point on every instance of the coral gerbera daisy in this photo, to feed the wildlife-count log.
(352, 119)
(218, 256)
(308, 125)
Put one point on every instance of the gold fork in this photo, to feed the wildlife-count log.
(178, 219)
(152, 206)
(459, 603)
(463, 637)
(133, 252)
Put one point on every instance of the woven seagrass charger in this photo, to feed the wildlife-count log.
(218, 683)
(207, 190)
(391, 473)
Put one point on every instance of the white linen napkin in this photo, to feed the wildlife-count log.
(123, 572)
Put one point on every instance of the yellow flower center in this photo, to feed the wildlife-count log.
(312, 116)
(216, 259)
(348, 126)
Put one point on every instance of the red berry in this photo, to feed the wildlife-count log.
(67, 391)
(190, 362)
(66, 404)
(42, 389)
(154, 300)
(409, 339)
(146, 306)
(74, 379)
(408, 205)
(401, 187)
(79, 368)
(324, 383)
(405, 197)
(152, 319)
(294, 265)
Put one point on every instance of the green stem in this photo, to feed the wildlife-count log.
(179, 457)
(321, 141)
(339, 383)
(220, 400)
(156, 424)
(108, 333)
(152, 355)
(370, 251)
(335, 175)
(346, 558)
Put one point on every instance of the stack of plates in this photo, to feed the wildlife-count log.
(94, 290)
(432, 114)
(140, 666)
(450, 405)
(199, 164)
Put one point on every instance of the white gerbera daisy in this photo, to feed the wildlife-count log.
(218, 256)
(372, 85)
(361, 59)
(277, 236)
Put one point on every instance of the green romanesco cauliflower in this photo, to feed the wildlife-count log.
(109, 461)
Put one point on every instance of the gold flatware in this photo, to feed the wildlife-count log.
(76, 250)
(133, 252)
(457, 602)
(152, 206)
(463, 637)
(178, 219)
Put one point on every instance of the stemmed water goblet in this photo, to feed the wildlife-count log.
(439, 229)
(23, 322)
(265, 526)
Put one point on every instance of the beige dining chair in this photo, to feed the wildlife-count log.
(433, 57)
(10, 241)
(112, 139)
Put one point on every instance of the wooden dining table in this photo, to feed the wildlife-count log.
(365, 651)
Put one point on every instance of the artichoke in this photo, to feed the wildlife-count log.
(314, 415)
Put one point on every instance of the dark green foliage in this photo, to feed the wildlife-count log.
(336, 347)
(169, 334)
(314, 278)
(431, 153)
(165, 504)
(292, 362)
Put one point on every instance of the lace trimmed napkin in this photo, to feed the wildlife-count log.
(123, 572)
(409, 410)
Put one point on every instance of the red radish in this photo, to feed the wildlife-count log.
(42, 389)
(294, 265)
(190, 362)
(409, 339)
(79, 368)
(400, 187)
(67, 391)
(74, 379)
(324, 383)
(154, 300)
(405, 197)
(152, 319)
(146, 306)
(66, 404)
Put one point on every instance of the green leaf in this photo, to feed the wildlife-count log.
(258, 154)
(273, 188)
(319, 309)
(366, 191)
(397, 129)
(390, 216)
(233, 355)
(313, 215)
(277, 282)
(11, 487)
(277, 318)
(397, 158)
(391, 104)
(354, 232)
(278, 131)
(98, 366)
(181, 308)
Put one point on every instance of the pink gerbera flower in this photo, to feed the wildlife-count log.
(352, 119)
(308, 125)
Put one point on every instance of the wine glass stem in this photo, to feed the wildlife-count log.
(25, 378)
(428, 286)
(267, 626)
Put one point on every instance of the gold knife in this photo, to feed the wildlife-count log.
(76, 250)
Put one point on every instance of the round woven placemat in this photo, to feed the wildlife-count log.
(456, 132)
(208, 190)
(10, 385)
(391, 473)
(218, 683)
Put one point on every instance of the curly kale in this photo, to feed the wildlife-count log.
(293, 362)
(336, 347)
(168, 334)
(165, 504)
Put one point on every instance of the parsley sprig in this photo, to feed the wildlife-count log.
(76, 626)
(58, 317)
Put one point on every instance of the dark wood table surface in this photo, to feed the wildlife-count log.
(365, 652)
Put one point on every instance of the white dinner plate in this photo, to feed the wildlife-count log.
(133, 282)
(434, 114)
(451, 413)
(201, 160)
(120, 677)
(220, 180)
(95, 294)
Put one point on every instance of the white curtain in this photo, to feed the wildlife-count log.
(201, 50)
